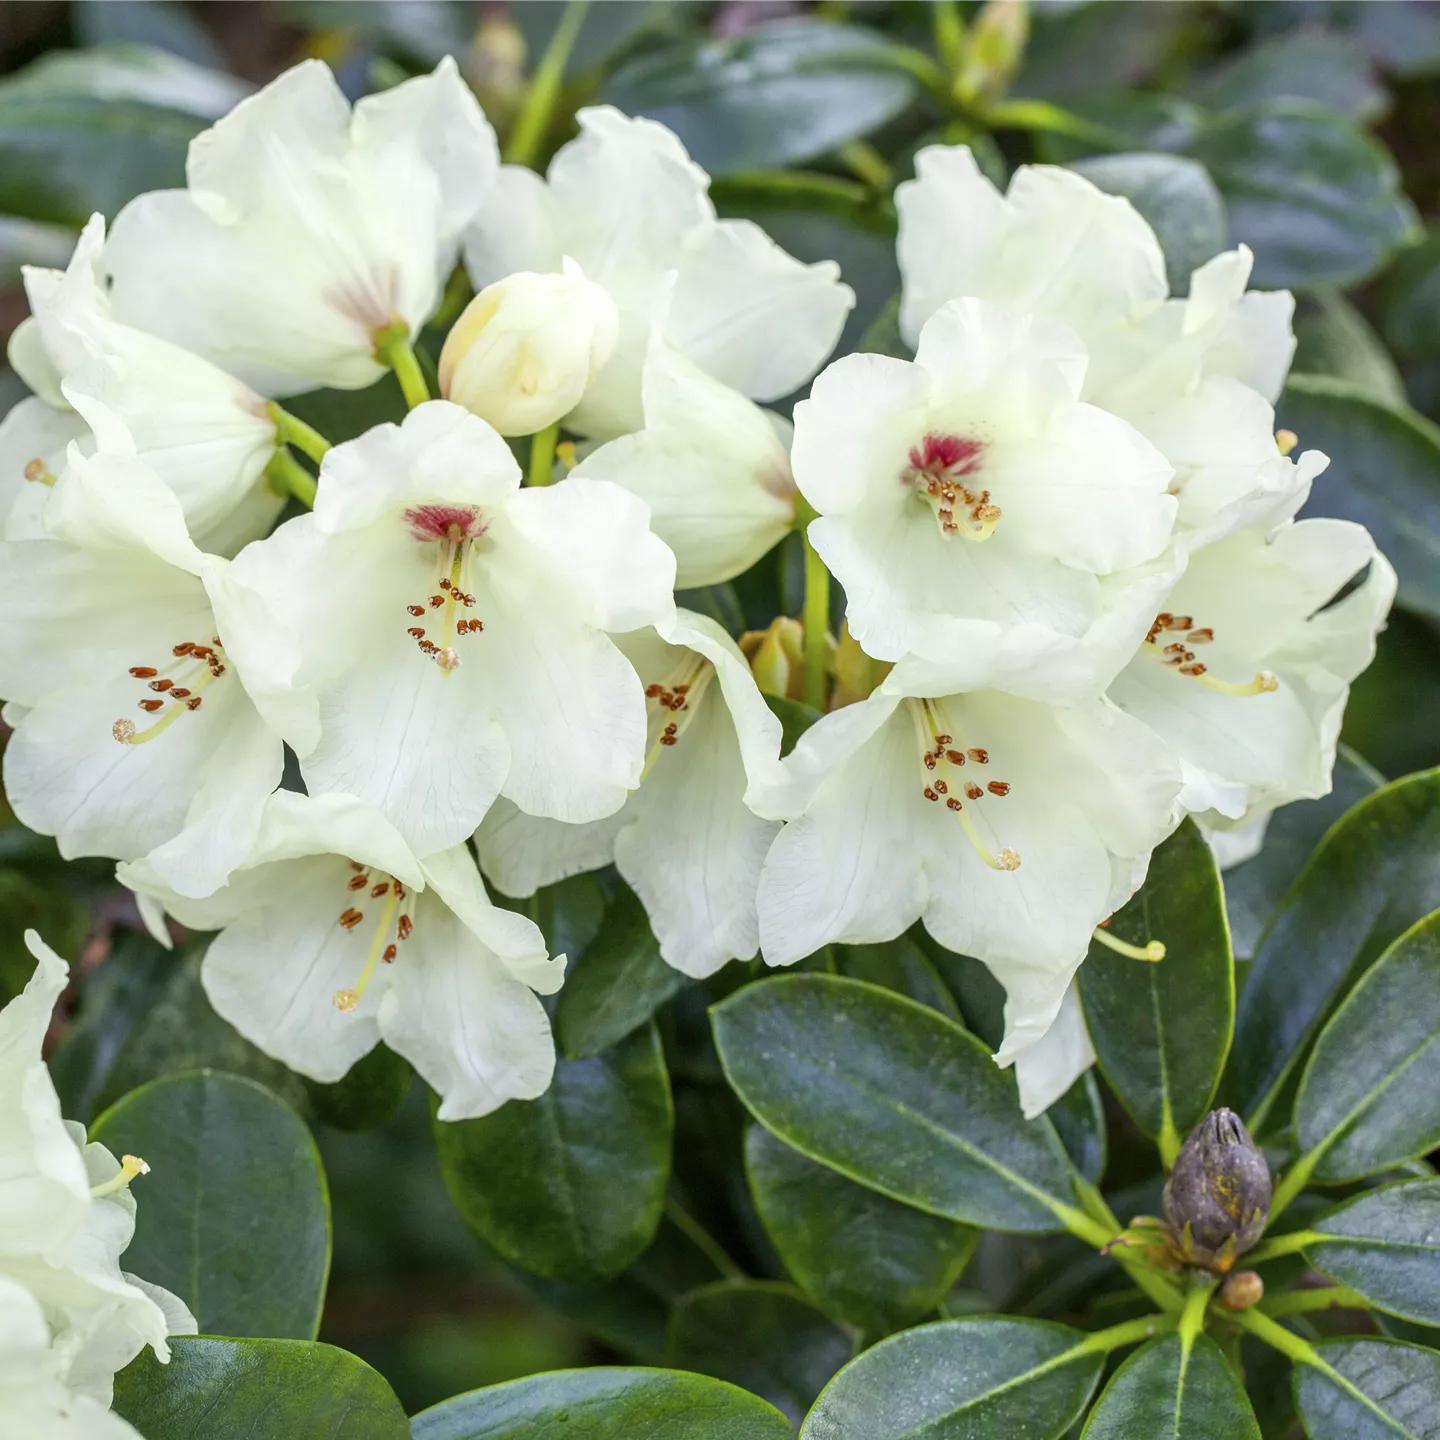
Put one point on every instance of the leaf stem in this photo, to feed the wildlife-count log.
(1192, 1317)
(393, 348)
(538, 109)
(1302, 1302)
(287, 476)
(1273, 1249)
(1294, 1180)
(701, 1239)
(542, 455)
(816, 620)
(1130, 1332)
(949, 32)
(869, 164)
(294, 431)
(1151, 952)
(1155, 1285)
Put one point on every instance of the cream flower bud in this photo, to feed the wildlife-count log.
(525, 348)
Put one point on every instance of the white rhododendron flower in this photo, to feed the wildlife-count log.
(686, 841)
(66, 1217)
(524, 349)
(1246, 672)
(34, 441)
(307, 229)
(207, 435)
(630, 208)
(713, 467)
(1049, 1067)
(451, 630)
(133, 729)
(335, 937)
(1010, 827)
(970, 499)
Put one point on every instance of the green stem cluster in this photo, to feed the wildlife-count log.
(393, 348)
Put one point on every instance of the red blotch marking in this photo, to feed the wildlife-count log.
(957, 454)
(444, 522)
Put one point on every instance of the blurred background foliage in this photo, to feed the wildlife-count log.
(1306, 128)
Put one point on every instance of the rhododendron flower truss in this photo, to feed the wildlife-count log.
(713, 467)
(307, 229)
(686, 841)
(66, 1216)
(451, 630)
(133, 729)
(629, 206)
(971, 498)
(1010, 827)
(333, 936)
(1246, 672)
(207, 435)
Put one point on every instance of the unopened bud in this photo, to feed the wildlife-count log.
(1217, 1198)
(1241, 1291)
(525, 348)
(777, 657)
(992, 49)
(856, 673)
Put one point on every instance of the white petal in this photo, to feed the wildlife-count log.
(1057, 1060)
(32, 431)
(519, 853)
(476, 1035)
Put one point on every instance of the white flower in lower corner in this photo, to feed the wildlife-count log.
(307, 228)
(686, 841)
(970, 499)
(713, 467)
(334, 937)
(66, 1217)
(133, 732)
(1246, 671)
(452, 630)
(626, 203)
(1011, 828)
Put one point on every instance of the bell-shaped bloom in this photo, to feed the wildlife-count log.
(333, 937)
(1246, 670)
(451, 631)
(629, 206)
(66, 1217)
(207, 435)
(713, 467)
(133, 729)
(971, 500)
(307, 228)
(524, 349)
(1011, 828)
(686, 841)
(1196, 376)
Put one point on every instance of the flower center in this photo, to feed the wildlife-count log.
(1177, 655)
(938, 471)
(454, 529)
(671, 704)
(942, 760)
(179, 688)
(394, 920)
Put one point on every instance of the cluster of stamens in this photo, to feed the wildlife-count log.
(942, 758)
(670, 704)
(199, 667)
(394, 912)
(1178, 654)
(455, 527)
(938, 469)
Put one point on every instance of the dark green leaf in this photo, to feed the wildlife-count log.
(1403, 681)
(617, 984)
(1380, 1390)
(893, 1095)
(1329, 69)
(235, 1217)
(606, 29)
(64, 157)
(1370, 1097)
(1177, 197)
(1387, 1247)
(63, 923)
(1164, 1393)
(1384, 472)
(765, 1338)
(369, 1096)
(425, 32)
(1315, 197)
(720, 602)
(990, 1378)
(162, 23)
(260, 1389)
(1333, 338)
(605, 1404)
(1374, 875)
(1255, 887)
(1410, 301)
(785, 92)
(571, 1185)
(1162, 1029)
(882, 336)
(864, 1258)
(1079, 1119)
(1077, 48)
(1138, 120)
(130, 72)
(899, 965)
(795, 719)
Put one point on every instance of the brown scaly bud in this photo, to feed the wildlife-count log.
(1217, 1198)
(1241, 1290)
